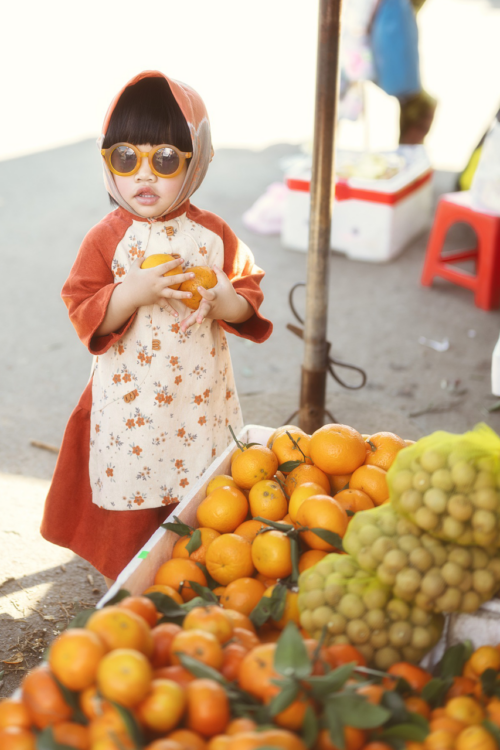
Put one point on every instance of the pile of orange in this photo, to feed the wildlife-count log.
(124, 673)
(303, 481)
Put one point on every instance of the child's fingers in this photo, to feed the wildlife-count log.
(208, 294)
(168, 266)
(202, 311)
(166, 306)
(188, 321)
(178, 278)
(168, 293)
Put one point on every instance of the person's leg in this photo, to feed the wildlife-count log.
(109, 582)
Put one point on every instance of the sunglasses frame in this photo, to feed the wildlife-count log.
(183, 155)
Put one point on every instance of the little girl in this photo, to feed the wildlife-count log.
(156, 410)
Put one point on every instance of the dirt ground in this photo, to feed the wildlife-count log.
(377, 314)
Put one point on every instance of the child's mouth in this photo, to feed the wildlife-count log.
(146, 197)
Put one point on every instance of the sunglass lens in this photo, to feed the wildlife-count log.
(123, 159)
(166, 161)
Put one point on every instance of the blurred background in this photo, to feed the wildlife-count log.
(253, 63)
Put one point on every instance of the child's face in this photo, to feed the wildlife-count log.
(146, 193)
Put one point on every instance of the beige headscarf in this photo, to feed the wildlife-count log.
(194, 111)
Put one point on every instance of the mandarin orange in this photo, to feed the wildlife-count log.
(229, 557)
(337, 449)
(223, 510)
(204, 277)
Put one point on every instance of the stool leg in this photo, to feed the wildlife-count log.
(443, 220)
(487, 295)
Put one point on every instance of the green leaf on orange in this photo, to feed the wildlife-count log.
(291, 657)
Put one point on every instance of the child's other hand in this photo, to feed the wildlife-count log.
(222, 302)
(148, 286)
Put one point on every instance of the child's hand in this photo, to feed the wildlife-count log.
(222, 302)
(148, 286)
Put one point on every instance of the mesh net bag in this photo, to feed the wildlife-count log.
(448, 485)
(347, 604)
(436, 575)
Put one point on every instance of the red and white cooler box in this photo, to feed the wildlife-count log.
(373, 219)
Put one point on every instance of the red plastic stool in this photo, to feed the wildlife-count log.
(452, 208)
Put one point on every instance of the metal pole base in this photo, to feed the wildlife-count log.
(312, 400)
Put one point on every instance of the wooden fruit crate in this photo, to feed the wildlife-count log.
(139, 574)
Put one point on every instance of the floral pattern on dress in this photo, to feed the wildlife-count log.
(162, 399)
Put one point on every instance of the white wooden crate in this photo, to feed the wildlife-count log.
(139, 574)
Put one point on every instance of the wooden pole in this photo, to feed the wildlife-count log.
(314, 368)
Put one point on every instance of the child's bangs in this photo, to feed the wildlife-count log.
(148, 113)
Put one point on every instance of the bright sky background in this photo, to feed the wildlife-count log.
(253, 63)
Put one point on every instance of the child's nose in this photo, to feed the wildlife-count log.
(144, 171)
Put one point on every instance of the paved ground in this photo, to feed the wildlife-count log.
(376, 315)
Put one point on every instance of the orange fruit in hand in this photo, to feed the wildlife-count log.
(371, 480)
(249, 529)
(212, 619)
(167, 590)
(221, 480)
(295, 448)
(337, 449)
(354, 500)
(203, 276)
(382, 448)
(124, 676)
(229, 557)
(75, 655)
(157, 259)
(17, 738)
(301, 493)
(208, 710)
(252, 465)
(310, 558)
(43, 698)
(321, 511)
(13, 713)
(306, 473)
(223, 510)
(243, 595)
(121, 628)
(271, 554)
(163, 707)
(71, 734)
(267, 500)
(177, 573)
(199, 555)
(142, 606)
(199, 644)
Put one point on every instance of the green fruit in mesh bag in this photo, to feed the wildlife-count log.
(449, 485)
(349, 605)
(417, 566)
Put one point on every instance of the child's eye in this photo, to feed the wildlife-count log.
(123, 159)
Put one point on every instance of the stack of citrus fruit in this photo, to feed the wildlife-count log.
(283, 507)
(131, 679)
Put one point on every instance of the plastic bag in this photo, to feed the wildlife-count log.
(448, 485)
(485, 187)
(394, 40)
(357, 608)
(437, 576)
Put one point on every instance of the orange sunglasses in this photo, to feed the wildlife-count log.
(124, 159)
